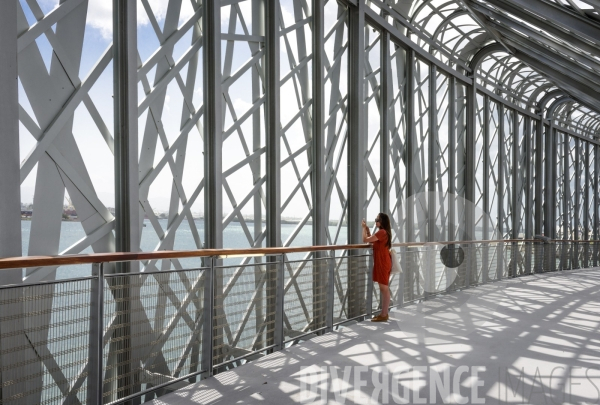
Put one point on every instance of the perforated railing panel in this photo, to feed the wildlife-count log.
(244, 310)
(44, 342)
(351, 275)
(305, 302)
(153, 328)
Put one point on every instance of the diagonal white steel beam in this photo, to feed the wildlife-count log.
(64, 115)
(27, 37)
(161, 84)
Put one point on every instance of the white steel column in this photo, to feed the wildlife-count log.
(213, 126)
(273, 123)
(127, 229)
(470, 162)
(357, 147)
(433, 151)
(551, 172)
(586, 197)
(126, 184)
(596, 231)
(452, 148)
(385, 87)
(408, 146)
(566, 195)
(10, 184)
(213, 163)
(273, 167)
(357, 137)
(319, 214)
(320, 220)
(515, 176)
(576, 225)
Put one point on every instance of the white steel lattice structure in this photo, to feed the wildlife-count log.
(239, 116)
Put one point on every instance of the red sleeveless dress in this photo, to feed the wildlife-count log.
(382, 262)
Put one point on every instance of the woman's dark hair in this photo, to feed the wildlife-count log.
(384, 221)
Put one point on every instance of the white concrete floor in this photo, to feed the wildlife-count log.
(531, 340)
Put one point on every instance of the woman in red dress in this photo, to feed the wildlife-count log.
(382, 262)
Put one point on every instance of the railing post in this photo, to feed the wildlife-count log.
(279, 303)
(468, 272)
(207, 327)
(515, 258)
(95, 360)
(528, 254)
(538, 257)
(402, 280)
(330, 291)
(370, 286)
(552, 252)
(500, 259)
(428, 270)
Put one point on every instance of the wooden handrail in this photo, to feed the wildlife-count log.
(44, 261)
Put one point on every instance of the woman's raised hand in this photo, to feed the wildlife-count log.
(364, 223)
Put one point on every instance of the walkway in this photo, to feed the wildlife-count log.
(527, 340)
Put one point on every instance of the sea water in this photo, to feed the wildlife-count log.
(234, 236)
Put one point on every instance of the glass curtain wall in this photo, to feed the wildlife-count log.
(243, 137)
(373, 104)
(66, 144)
(531, 158)
(507, 161)
(426, 133)
(520, 173)
(571, 190)
(494, 145)
(170, 97)
(561, 180)
(442, 149)
(581, 191)
(591, 201)
(481, 220)
(543, 176)
(295, 70)
(418, 150)
(460, 162)
(397, 139)
(335, 61)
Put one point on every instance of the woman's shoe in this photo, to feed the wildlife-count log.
(380, 318)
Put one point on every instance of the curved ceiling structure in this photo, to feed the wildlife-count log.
(535, 47)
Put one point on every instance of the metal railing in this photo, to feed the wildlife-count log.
(134, 332)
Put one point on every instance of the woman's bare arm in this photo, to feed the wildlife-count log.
(370, 239)
(366, 234)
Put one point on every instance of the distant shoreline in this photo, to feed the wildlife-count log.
(283, 221)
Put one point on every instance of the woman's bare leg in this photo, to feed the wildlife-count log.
(385, 299)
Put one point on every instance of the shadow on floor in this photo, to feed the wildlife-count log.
(530, 340)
